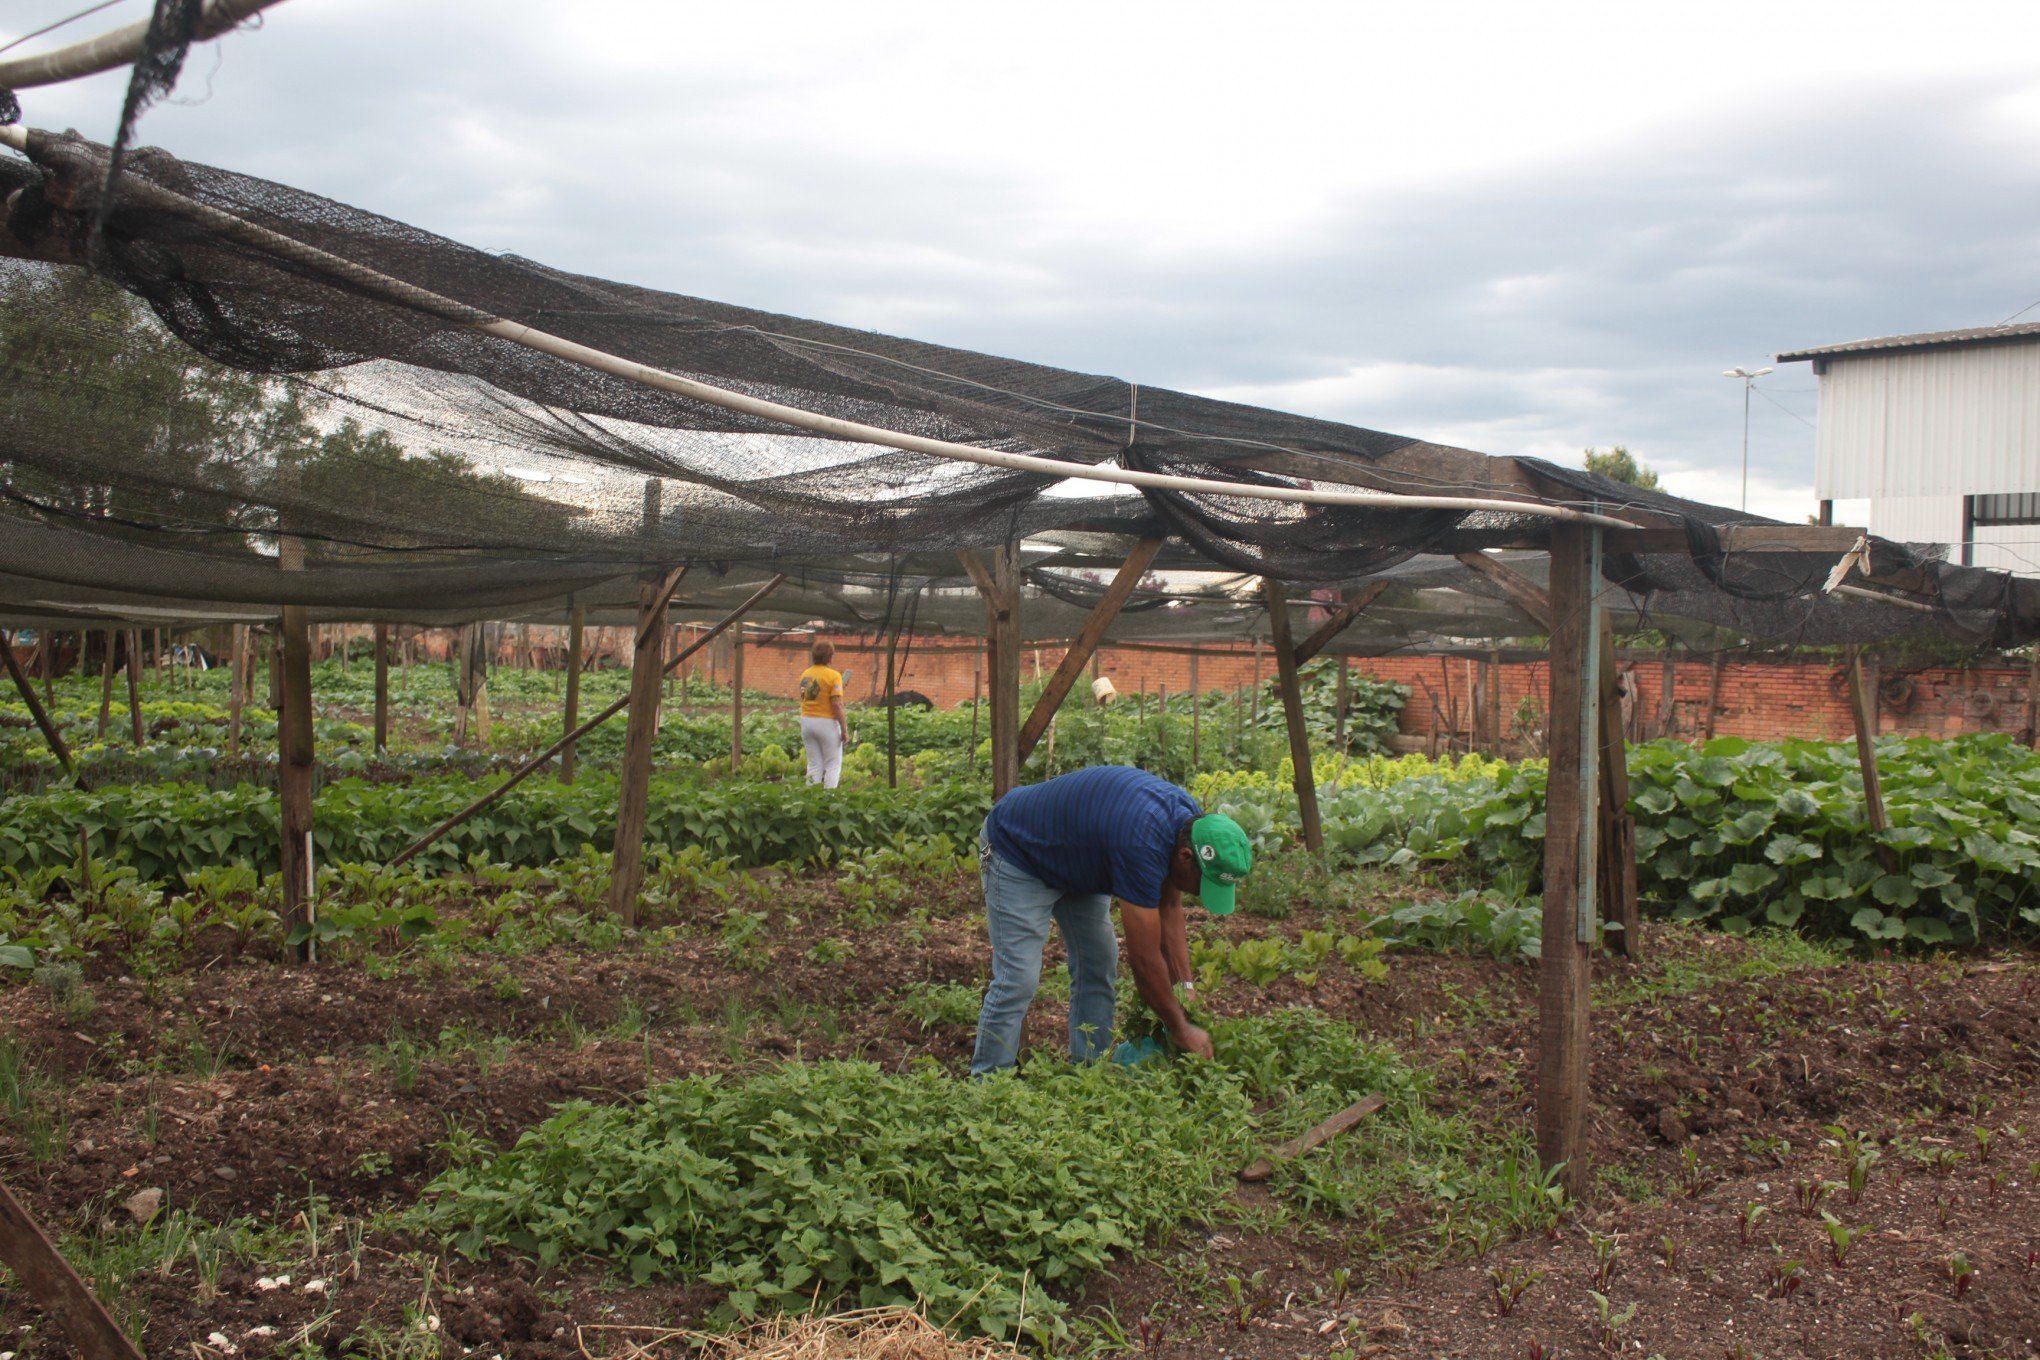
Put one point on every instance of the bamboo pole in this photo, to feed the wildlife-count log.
(529, 767)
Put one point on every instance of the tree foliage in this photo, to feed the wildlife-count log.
(1618, 464)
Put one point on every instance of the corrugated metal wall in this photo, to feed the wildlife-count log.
(1931, 423)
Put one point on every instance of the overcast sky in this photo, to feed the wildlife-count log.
(1522, 228)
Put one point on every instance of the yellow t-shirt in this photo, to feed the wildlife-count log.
(819, 685)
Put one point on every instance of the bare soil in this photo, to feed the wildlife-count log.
(311, 1101)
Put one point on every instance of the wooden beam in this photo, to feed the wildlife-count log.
(1085, 644)
(1572, 786)
(1524, 593)
(576, 623)
(48, 1278)
(294, 770)
(1305, 781)
(543, 758)
(36, 710)
(381, 643)
(1341, 619)
(1820, 539)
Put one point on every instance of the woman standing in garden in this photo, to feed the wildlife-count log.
(824, 726)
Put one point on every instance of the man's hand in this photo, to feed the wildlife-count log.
(1193, 1040)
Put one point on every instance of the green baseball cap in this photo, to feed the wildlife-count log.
(1225, 855)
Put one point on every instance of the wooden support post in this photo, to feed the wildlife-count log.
(382, 688)
(1572, 787)
(1498, 721)
(1668, 712)
(1616, 872)
(237, 679)
(543, 758)
(1522, 592)
(48, 1278)
(576, 621)
(36, 709)
(112, 642)
(892, 709)
(1196, 716)
(1000, 585)
(736, 698)
(1292, 712)
(1864, 713)
(134, 684)
(2033, 700)
(627, 859)
(977, 683)
(1713, 694)
(294, 770)
(1085, 645)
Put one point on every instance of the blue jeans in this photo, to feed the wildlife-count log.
(1018, 908)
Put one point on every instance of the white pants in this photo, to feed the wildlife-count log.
(824, 742)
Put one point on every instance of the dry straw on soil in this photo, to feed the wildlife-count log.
(867, 1334)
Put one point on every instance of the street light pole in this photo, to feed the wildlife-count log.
(1749, 378)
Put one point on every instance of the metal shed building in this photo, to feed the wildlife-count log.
(1940, 433)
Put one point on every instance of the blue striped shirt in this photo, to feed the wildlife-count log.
(1108, 829)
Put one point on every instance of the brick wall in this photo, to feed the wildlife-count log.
(1757, 699)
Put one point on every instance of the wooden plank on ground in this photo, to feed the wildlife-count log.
(1315, 1137)
(49, 1279)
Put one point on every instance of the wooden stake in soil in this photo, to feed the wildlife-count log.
(977, 678)
(36, 710)
(1617, 827)
(134, 683)
(627, 860)
(1305, 780)
(576, 621)
(736, 698)
(892, 705)
(1572, 787)
(1084, 647)
(1342, 699)
(1713, 692)
(543, 758)
(49, 1279)
(1196, 715)
(237, 665)
(382, 688)
(1668, 712)
(1865, 718)
(112, 643)
(294, 770)
(1000, 586)
(2033, 700)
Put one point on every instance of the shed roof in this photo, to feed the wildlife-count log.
(1978, 335)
